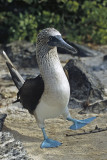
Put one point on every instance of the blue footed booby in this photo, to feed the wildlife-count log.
(47, 95)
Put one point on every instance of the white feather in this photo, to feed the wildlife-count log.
(56, 95)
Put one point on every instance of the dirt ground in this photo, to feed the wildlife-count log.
(79, 147)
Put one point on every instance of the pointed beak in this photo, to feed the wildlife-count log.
(59, 42)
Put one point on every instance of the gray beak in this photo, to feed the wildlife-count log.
(59, 42)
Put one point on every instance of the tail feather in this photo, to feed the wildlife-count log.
(17, 78)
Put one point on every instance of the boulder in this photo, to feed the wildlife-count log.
(22, 53)
(2, 119)
(85, 87)
(10, 148)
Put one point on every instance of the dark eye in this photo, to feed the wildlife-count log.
(50, 38)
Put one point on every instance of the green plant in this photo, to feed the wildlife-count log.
(79, 21)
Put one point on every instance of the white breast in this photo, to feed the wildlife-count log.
(57, 91)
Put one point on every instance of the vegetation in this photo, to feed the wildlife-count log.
(78, 20)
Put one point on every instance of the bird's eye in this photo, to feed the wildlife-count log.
(50, 38)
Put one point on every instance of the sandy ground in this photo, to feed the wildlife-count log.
(80, 147)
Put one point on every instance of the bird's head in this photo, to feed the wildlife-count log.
(51, 38)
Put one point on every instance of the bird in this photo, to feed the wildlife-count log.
(47, 95)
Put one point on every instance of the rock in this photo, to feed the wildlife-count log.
(84, 85)
(20, 52)
(105, 58)
(97, 107)
(10, 149)
(102, 66)
(9, 92)
(102, 48)
(2, 118)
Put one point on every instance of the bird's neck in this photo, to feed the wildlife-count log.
(51, 69)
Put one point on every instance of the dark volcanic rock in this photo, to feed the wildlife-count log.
(2, 118)
(102, 66)
(10, 149)
(22, 53)
(97, 107)
(85, 87)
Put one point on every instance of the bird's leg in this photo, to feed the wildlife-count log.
(48, 143)
(77, 124)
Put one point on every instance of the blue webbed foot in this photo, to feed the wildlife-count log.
(80, 123)
(49, 143)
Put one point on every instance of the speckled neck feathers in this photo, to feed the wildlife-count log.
(50, 67)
